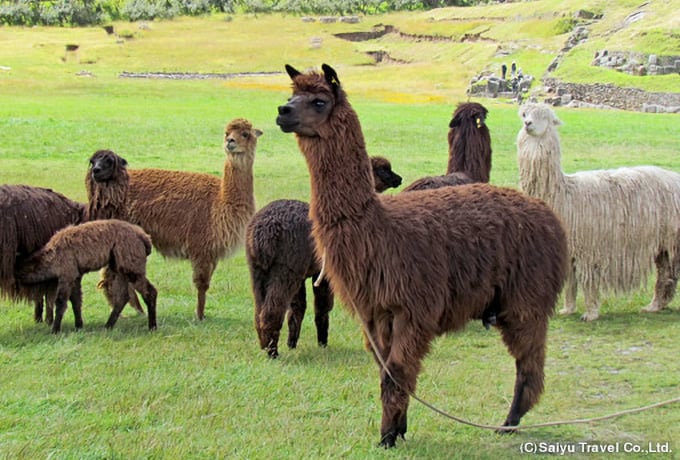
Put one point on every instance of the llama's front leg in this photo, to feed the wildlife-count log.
(38, 309)
(202, 275)
(666, 282)
(570, 292)
(592, 300)
(409, 345)
(76, 299)
(134, 301)
(323, 304)
(296, 313)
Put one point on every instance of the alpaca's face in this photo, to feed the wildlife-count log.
(383, 176)
(104, 164)
(305, 113)
(240, 142)
(537, 118)
(470, 113)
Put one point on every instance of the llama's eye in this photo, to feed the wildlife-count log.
(245, 135)
(319, 103)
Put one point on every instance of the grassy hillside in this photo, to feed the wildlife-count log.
(439, 50)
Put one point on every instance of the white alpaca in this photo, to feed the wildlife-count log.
(619, 222)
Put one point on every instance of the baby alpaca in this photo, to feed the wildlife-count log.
(118, 246)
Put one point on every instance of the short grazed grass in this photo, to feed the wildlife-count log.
(204, 389)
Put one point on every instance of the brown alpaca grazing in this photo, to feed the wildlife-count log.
(469, 150)
(280, 255)
(74, 251)
(189, 215)
(417, 265)
(29, 216)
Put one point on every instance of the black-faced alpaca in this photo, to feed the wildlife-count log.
(107, 183)
(280, 255)
(469, 150)
(417, 265)
(29, 216)
(74, 251)
(190, 215)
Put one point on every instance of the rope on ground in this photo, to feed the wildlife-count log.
(502, 428)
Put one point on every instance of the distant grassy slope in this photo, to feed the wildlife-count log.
(470, 41)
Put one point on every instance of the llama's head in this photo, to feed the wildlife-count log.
(240, 140)
(537, 119)
(383, 176)
(471, 113)
(315, 96)
(106, 165)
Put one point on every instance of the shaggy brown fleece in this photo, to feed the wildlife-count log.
(118, 246)
(421, 264)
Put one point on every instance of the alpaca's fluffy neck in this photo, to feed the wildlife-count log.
(341, 183)
(236, 189)
(540, 170)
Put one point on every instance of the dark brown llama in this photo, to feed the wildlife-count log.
(280, 255)
(29, 216)
(482, 245)
(119, 246)
(469, 150)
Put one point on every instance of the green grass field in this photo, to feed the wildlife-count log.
(204, 389)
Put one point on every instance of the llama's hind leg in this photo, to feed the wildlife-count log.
(591, 296)
(296, 313)
(116, 292)
(323, 304)
(149, 294)
(526, 343)
(666, 281)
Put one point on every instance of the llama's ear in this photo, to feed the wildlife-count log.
(292, 72)
(331, 77)
(257, 132)
(556, 121)
(454, 123)
(123, 161)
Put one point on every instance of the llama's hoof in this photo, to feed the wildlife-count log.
(389, 440)
(588, 316)
(652, 308)
(507, 430)
(567, 311)
(272, 353)
(323, 344)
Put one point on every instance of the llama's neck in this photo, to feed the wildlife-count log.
(540, 171)
(236, 190)
(342, 187)
(470, 158)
